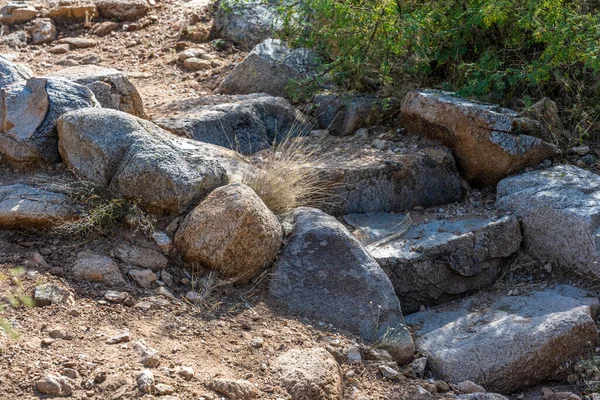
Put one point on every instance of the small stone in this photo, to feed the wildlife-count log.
(256, 342)
(143, 277)
(379, 144)
(362, 133)
(319, 132)
(59, 49)
(150, 357)
(45, 295)
(191, 296)
(120, 338)
(70, 373)
(580, 150)
(417, 367)
(431, 388)
(442, 387)
(161, 389)
(588, 159)
(100, 376)
(163, 241)
(59, 386)
(186, 373)
(561, 396)
(166, 277)
(47, 341)
(422, 391)
(79, 42)
(59, 332)
(145, 381)
(197, 64)
(234, 389)
(116, 297)
(42, 31)
(468, 387)
(545, 391)
(354, 356)
(388, 372)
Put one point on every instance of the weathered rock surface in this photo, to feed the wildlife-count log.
(124, 10)
(246, 124)
(234, 389)
(75, 12)
(310, 374)
(371, 181)
(42, 31)
(23, 206)
(437, 261)
(481, 396)
(323, 272)
(112, 88)
(488, 142)
(140, 161)
(269, 68)
(139, 256)
(95, 267)
(12, 73)
(507, 342)
(559, 209)
(48, 294)
(28, 115)
(344, 114)
(17, 13)
(231, 231)
(246, 24)
(59, 386)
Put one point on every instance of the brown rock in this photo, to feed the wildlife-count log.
(17, 13)
(69, 13)
(59, 386)
(234, 389)
(104, 28)
(79, 42)
(122, 9)
(311, 374)
(231, 231)
(197, 64)
(561, 396)
(487, 141)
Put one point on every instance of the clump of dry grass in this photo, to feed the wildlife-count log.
(288, 176)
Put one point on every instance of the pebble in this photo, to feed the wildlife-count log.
(191, 296)
(431, 388)
(116, 297)
(70, 373)
(143, 277)
(150, 357)
(580, 150)
(257, 342)
(468, 387)
(161, 389)
(353, 355)
(417, 367)
(186, 373)
(442, 387)
(120, 338)
(388, 372)
(379, 144)
(422, 391)
(145, 381)
(163, 241)
(59, 332)
(60, 386)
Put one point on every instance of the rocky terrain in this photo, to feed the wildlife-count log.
(174, 225)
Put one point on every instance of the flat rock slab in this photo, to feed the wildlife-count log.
(23, 206)
(371, 181)
(247, 124)
(488, 142)
(559, 209)
(506, 343)
(432, 262)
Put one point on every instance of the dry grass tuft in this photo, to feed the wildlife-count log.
(287, 176)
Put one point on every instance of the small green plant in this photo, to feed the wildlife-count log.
(14, 298)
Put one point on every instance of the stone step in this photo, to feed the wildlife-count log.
(506, 343)
(437, 260)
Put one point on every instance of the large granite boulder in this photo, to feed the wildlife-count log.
(28, 114)
(23, 206)
(139, 161)
(344, 114)
(122, 10)
(112, 88)
(325, 273)
(370, 180)
(488, 142)
(231, 231)
(12, 73)
(310, 374)
(559, 209)
(432, 262)
(243, 123)
(269, 68)
(507, 343)
(246, 23)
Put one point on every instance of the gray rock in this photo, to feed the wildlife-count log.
(269, 68)
(95, 267)
(17, 13)
(23, 206)
(164, 243)
(246, 24)
(559, 209)
(234, 389)
(142, 162)
(48, 294)
(437, 261)
(507, 342)
(143, 277)
(145, 381)
(28, 115)
(324, 273)
(112, 88)
(42, 31)
(310, 374)
(344, 114)
(245, 123)
(140, 256)
(11, 73)
(488, 142)
(122, 337)
(59, 386)
(150, 357)
(481, 396)
(371, 181)
(16, 40)
(468, 387)
(124, 10)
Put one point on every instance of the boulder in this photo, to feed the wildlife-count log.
(246, 23)
(440, 260)
(370, 180)
(325, 273)
(112, 88)
(231, 231)
(507, 343)
(28, 114)
(42, 31)
(243, 123)
(23, 206)
(123, 10)
(12, 73)
(17, 13)
(559, 209)
(139, 161)
(344, 114)
(310, 374)
(73, 12)
(269, 68)
(94, 267)
(488, 142)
